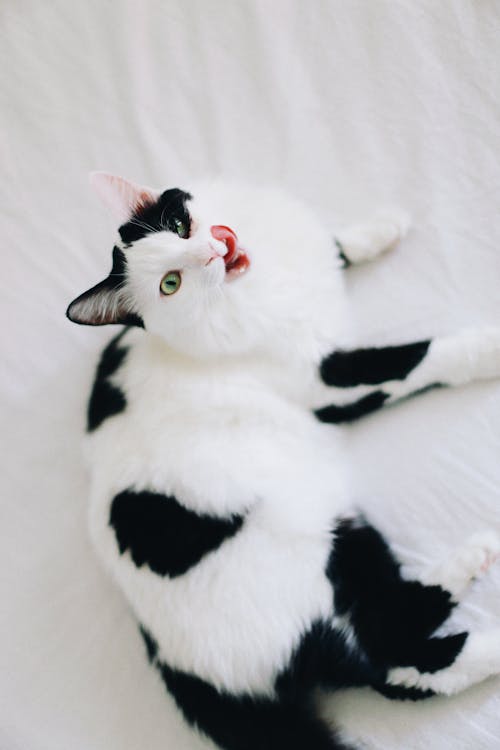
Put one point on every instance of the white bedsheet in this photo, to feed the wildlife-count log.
(351, 105)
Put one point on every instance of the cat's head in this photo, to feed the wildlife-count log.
(219, 269)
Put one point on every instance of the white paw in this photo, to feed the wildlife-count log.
(397, 221)
(470, 561)
(363, 242)
(480, 552)
(477, 354)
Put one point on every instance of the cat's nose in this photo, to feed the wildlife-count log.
(228, 237)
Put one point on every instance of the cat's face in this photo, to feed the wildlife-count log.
(221, 269)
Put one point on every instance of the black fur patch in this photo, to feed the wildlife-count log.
(107, 399)
(393, 618)
(350, 412)
(243, 722)
(151, 645)
(324, 658)
(162, 534)
(157, 217)
(116, 279)
(345, 369)
(401, 693)
(118, 269)
(343, 257)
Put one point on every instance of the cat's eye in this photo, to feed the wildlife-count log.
(170, 283)
(181, 228)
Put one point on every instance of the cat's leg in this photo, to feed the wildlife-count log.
(479, 654)
(391, 616)
(402, 371)
(477, 659)
(364, 242)
(244, 722)
(393, 619)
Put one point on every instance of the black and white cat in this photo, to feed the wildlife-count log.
(218, 501)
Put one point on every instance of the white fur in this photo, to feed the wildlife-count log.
(475, 557)
(212, 419)
(218, 394)
(364, 242)
(289, 305)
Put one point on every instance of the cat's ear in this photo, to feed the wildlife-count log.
(106, 302)
(123, 197)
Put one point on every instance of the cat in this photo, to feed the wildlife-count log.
(218, 500)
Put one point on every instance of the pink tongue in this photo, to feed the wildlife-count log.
(226, 235)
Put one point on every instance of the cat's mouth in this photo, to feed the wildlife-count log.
(235, 260)
(237, 264)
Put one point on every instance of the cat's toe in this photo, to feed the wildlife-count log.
(480, 552)
(394, 224)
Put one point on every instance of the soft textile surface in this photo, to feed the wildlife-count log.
(351, 105)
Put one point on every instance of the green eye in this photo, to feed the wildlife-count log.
(170, 282)
(181, 228)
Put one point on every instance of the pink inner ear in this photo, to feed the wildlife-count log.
(123, 197)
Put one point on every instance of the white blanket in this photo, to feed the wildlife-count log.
(351, 105)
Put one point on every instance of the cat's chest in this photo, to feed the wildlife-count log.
(217, 439)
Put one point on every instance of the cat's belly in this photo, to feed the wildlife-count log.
(235, 618)
(234, 615)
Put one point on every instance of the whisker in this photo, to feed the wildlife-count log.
(143, 225)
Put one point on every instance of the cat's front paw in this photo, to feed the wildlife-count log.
(480, 358)
(363, 242)
(393, 224)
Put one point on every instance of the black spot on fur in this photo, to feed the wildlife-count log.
(117, 278)
(345, 369)
(325, 658)
(161, 533)
(119, 268)
(350, 412)
(157, 217)
(343, 257)
(151, 645)
(393, 618)
(106, 399)
(401, 693)
(244, 722)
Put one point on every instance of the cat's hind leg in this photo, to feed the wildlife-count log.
(450, 664)
(394, 619)
(477, 659)
(364, 242)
